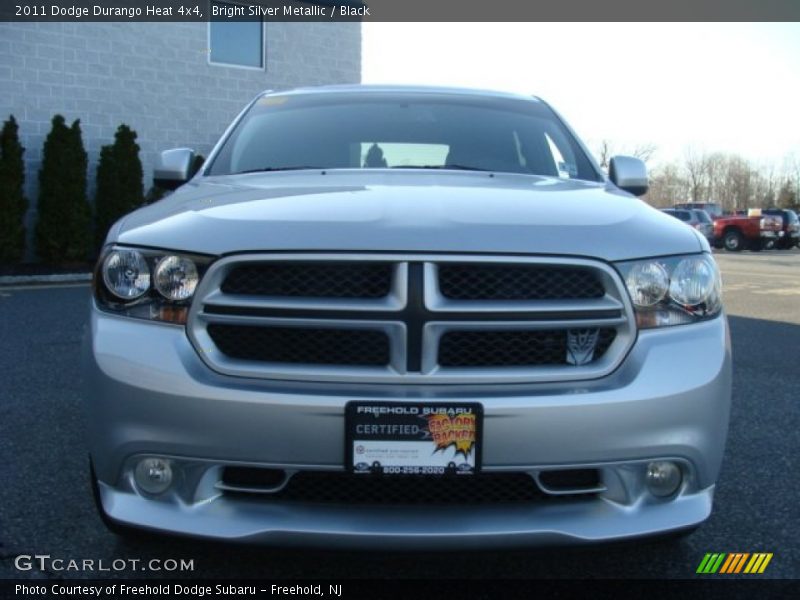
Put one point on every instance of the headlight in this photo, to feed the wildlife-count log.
(693, 282)
(647, 283)
(176, 277)
(674, 290)
(148, 284)
(126, 274)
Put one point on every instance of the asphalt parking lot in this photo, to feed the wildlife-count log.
(46, 505)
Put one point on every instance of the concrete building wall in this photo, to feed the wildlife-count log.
(154, 77)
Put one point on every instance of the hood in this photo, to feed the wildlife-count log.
(405, 211)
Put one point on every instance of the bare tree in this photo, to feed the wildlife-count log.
(740, 178)
(725, 186)
(787, 197)
(667, 186)
(728, 179)
(696, 165)
(604, 154)
(715, 175)
(606, 151)
(644, 152)
(791, 173)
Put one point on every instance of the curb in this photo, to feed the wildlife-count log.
(11, 280)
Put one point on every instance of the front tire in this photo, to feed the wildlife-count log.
(733, 240)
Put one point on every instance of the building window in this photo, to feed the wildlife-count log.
(237, 40)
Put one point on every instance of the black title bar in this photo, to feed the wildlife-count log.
(400, 10)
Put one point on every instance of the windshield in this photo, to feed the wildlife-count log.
(702, 216)
(402, 130)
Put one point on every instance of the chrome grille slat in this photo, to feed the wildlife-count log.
(395, 299)
(440, 303)
(414, 315)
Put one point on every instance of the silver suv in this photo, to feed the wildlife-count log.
(405, 317)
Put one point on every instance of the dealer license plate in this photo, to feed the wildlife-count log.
(413, 438)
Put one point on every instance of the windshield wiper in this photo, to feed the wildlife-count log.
(271, 169)
(453, 167)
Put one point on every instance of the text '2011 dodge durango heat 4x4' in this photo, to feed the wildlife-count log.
(405, 317)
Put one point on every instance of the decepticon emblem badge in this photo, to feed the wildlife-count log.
(580, 345)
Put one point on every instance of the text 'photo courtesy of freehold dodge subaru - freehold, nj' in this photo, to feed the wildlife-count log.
(405, 317)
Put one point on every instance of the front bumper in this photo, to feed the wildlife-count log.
(150, 394)
(383, 528)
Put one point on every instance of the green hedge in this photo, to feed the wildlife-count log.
(63, 232)
(13, 204)
(119, 181)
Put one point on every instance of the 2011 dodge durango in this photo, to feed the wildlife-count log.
(405, 317)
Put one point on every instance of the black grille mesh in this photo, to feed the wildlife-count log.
(512, 348)
(570, 479)
(518, 282)
(311, 280)
(300, 345)
(346, 488)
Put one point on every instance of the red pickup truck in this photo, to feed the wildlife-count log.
(737, 232)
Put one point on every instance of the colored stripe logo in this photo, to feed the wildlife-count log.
(729, 563)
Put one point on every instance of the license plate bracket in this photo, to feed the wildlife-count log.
(413, 438)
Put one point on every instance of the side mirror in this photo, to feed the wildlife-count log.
(629, 174)
(174, 168)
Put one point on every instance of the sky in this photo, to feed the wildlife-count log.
(728, 87)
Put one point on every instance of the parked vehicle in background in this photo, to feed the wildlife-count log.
(713, 209)
(704, 224)
(755, 231)
(789, 236)
(695, 218)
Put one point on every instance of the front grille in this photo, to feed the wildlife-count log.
(518, 282)
(301, 345)
(311, 280)
(417, 319)
(345, 488)
(512, 348)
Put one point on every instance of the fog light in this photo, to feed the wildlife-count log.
(663, 478)
(153, 475)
